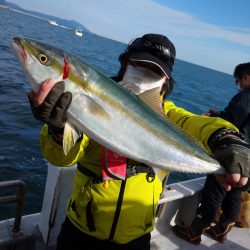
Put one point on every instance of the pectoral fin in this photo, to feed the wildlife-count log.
(85, 104)
(70, 137)
(152, 98)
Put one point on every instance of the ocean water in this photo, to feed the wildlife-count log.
(197, 89)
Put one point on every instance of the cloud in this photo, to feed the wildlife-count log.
(196, 41)
(123, 20)
(217, 47)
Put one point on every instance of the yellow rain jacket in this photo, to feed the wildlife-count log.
(92, 208)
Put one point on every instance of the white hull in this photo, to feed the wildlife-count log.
(78, 32)
(54, 23)
(176, 206)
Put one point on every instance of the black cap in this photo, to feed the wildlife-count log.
(153, 48)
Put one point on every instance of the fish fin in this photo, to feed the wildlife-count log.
(161, 173)
(70, 137)
(87, 104)
(152, 98)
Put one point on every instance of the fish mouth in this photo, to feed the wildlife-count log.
(19, 49)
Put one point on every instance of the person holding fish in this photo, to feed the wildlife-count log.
(116, 190)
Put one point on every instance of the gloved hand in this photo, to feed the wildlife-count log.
(53, 109)
(232, 152)
(49, 105)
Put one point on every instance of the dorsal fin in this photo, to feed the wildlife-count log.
(152, 99)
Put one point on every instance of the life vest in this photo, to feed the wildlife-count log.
(120, 212)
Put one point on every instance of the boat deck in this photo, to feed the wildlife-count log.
(238, 238)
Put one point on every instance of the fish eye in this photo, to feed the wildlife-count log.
(43, 58)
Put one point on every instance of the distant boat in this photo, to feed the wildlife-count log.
(78, 32)
(53, 22)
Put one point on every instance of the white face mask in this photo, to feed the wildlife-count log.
(140, 79)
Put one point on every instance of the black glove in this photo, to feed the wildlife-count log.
(232, 152)
(53, 110)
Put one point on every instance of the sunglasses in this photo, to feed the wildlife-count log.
(158, 50)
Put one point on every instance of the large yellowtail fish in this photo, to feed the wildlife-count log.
(111, 115)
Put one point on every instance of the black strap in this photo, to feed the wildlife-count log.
(134, 170)
(86, 171)
(131, 171)
(117, 211)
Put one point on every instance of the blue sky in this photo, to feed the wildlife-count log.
(212, 33)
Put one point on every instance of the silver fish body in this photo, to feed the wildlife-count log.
(111, 115)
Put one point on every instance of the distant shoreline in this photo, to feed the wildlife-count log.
(27, 14)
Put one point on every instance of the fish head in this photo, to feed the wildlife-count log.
(39, 61)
